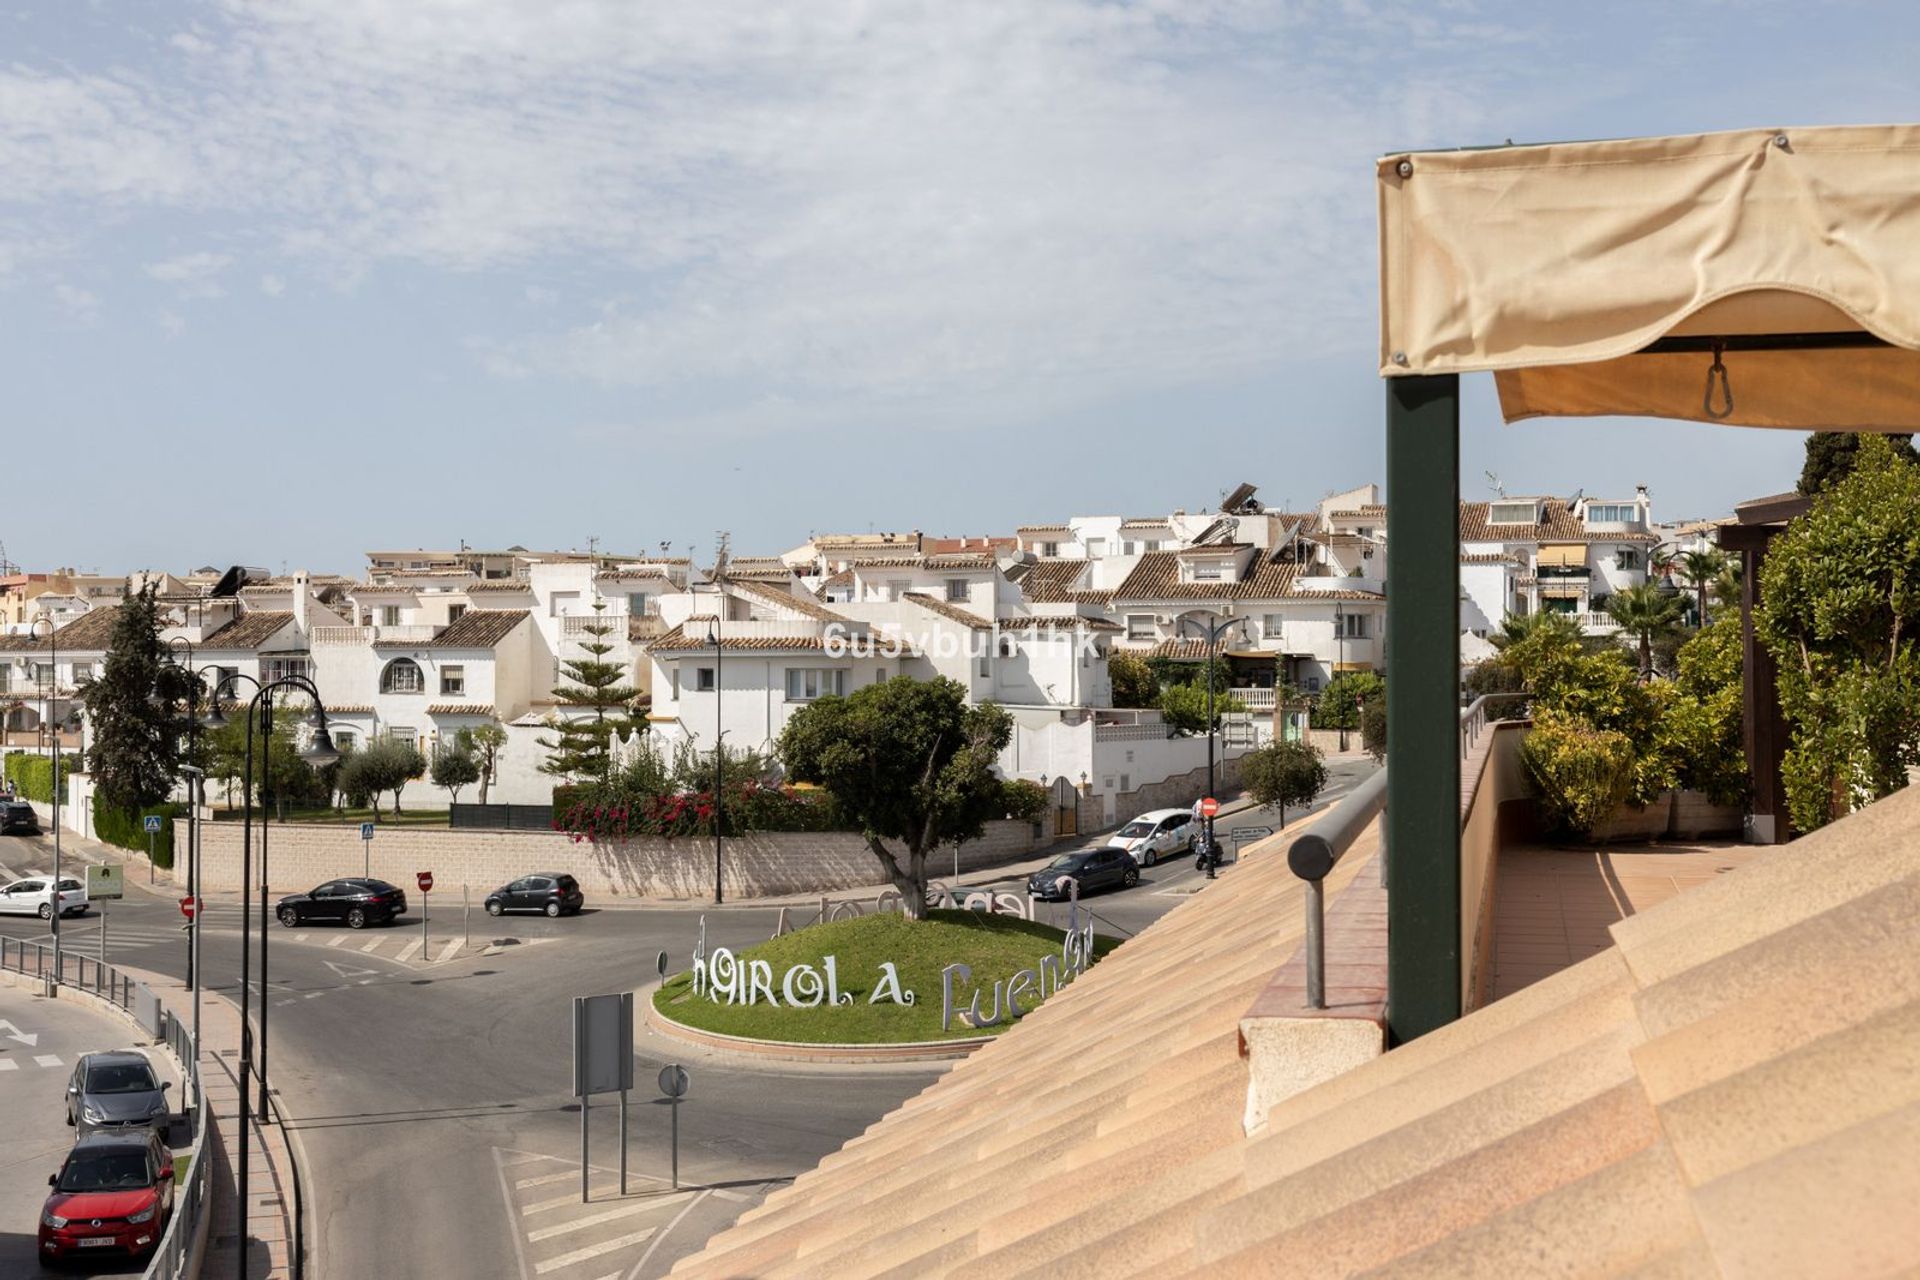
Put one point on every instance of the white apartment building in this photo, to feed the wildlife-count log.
(1524, 555)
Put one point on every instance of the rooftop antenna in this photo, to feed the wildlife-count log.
(593, 545)
(1494, 480)
(721, 541)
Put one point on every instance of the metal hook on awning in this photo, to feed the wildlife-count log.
(1718, 369)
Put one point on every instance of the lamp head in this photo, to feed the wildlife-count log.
(320, 750)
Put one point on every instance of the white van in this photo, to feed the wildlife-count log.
(1157, 834)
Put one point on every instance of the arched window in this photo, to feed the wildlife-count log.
(402, 676)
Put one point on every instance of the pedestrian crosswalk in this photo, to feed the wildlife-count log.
(10, 1063)
(609, 1235)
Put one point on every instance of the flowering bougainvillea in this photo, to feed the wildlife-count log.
(591, 815)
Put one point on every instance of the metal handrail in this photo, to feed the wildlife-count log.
(173, 1254)
(1316, 851)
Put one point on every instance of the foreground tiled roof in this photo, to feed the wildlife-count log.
(460, 709)
(1183, 650)
(248, 631)
(504, 584)
(479, 629)
(680, 640)
(1728, 1090)
(89, 632)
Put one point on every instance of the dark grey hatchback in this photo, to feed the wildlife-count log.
(1091, 868)
(356, 902)
(553, 892)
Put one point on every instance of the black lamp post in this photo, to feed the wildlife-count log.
(52, 727)
(320, 750)
(1213, 629)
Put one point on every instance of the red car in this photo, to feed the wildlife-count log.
(113, 1194)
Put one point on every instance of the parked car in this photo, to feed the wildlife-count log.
(116, 1090)
(1157, 834)
(1093, 868)
(17, 818)
(550, 891)
(113, 1194)
(34, 897)
(357, 902)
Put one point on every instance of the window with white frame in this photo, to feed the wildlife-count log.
(402, 675)
(1354, 626)
(1127, 548)
(83, 673)
(1627, 558)
(806, 683)
(1512, 513)
(453, 682)
(1209, 570)
(986, 666)
(389, 615)
(454, 611)
(1049, 548)
(703, 680)
(1140, 626)
(282, 668)
(642, 605)
(402, 735)
(956, 590)
(1272, 624)
(1612, 513)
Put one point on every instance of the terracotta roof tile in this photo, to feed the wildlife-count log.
(460, 709)
(1051, 581)
(961, 560)
(805, 606)
(500, 584)
(1044, 528)
(1557, 524)
(951, 612)
(476, 629)
(1157, 577)
(87, 633)
(679, 640)
(1183, 650)
(248, 631)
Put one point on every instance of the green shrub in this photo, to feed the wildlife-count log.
(1582, 773)
(1338, 706)
(1184, 707)
(1025, 800)
(126, 828)
(31, 773)
(1283, 774)
(1373, 729)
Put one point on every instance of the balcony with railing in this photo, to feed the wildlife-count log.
(334, 637)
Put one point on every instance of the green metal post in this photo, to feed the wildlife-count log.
(1423, 705)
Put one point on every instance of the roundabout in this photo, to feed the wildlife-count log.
(875, 988)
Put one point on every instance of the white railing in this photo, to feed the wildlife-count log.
(334, 636)
(1129, 732)
(582, 624)
(1255, 699)
(766, 629)
(1598, 621)
(411, 634)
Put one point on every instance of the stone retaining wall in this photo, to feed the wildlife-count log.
(769, 864)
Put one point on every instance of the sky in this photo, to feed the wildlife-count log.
(284, 282)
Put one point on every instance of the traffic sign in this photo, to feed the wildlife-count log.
(425, 879)
(104, 881)
(1209, 807)
(152, 823)
(188, 906)
(673, 1081)
(366, 831)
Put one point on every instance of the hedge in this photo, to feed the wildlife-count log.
(127, 829)
(32, 774)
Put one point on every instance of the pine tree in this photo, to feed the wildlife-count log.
(1831, 455)
(582, 743)
(136, 744)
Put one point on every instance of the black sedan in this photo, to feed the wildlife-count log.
(552, 892)
(1092, 868)
(356, 902)
(17, 818)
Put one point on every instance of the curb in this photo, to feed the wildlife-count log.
(805, 1051)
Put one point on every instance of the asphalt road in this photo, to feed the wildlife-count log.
(431, 1102)
(40, 1040)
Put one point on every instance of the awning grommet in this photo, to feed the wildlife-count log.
(1400, 358)
(1718, 369)
(1780, 141)
(1404, 168)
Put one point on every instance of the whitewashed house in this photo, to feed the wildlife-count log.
(1526, 555)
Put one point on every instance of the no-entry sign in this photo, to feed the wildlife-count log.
(188, 906)
(1209, 806)
(425, 880)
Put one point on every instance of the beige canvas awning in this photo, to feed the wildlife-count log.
(1795, 253)
(1561, 590)
(1563, 555)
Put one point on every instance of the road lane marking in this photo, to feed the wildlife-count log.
(561, 1202)
(371, 945)
(543, 1179)
(47, 1059)
(8, 1064)
(406, 952)
(659, 1240)
(337, 941)
(452, 946)
(591, 1220)
(301, 937)
(592, 1251)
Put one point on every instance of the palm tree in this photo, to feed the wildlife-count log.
(1726, 587)
(1701, 568)
(1647, 613)
(1516, 627)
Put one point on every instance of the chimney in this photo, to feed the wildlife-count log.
(300, 602)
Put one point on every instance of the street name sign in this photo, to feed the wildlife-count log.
(104, 881)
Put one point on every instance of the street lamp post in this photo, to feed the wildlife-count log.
(1340, 661)
(52, 727)
(320, 751)
(1214, 630)
(719, 758)
(195, 795)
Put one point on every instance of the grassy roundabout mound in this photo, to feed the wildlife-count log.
(995, 947)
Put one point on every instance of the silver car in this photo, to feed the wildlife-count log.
(116, 1090)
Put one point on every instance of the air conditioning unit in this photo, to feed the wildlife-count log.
(1164, 619)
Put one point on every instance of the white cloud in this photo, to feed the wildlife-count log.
(272, 285)
(197, 274)
(81, 306)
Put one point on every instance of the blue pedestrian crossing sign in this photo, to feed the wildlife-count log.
(366, 831)
(153, 823)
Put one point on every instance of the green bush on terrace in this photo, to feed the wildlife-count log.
(994, 946)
